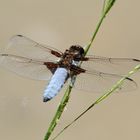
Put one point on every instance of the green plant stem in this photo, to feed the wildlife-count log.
(94, 35)
(106, 7)
(64, 101)
(100, 99)
(58, 112)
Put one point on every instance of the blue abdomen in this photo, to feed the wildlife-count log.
(56, 83)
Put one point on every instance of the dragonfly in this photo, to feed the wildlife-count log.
(33, 60)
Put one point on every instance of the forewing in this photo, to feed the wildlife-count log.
(118, 66)
(23, 46)
(99, 82)
(26, 67)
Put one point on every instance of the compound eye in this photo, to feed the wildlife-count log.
(81, 51)
(72, 48)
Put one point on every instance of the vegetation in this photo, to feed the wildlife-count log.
(106, 8)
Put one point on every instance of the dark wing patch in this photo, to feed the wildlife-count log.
(23, 46)
(26, 67)
(99, 82)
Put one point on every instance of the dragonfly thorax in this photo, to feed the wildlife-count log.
(72, 56)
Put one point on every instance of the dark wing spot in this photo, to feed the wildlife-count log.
(20, 35)
(136, 60)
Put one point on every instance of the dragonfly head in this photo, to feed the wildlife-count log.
(77, 50)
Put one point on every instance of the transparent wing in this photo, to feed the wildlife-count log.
(98, 82)
(118, 66)
(23, 46)
(26, 67)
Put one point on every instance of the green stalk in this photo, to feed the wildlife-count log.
(101, 98)
(107, 6)
(59, 111)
